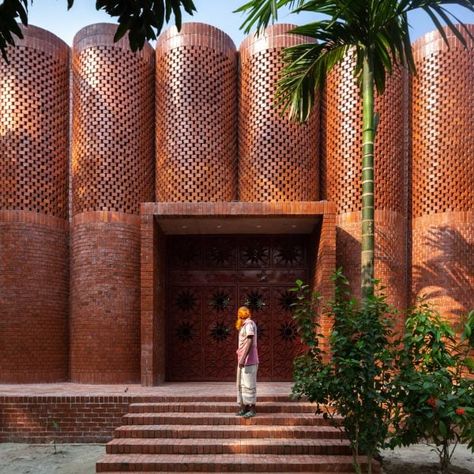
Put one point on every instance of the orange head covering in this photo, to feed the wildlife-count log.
(242, 314)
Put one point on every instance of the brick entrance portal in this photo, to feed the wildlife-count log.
(208, 278)
(199, 261)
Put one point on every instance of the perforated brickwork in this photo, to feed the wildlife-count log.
(196, 113)
(443, 130)
(34, 125)
(342, 141)
(113, 123)
(278, 159)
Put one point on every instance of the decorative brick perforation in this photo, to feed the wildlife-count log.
(196, 112)
(342, 141)
(278, 159)
(113, 125)
(443, 131)
(34, 125)
(443, 174)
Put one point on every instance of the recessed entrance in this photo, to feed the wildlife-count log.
(208, 277)
(200, 261)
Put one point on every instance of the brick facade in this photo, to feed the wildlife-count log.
(278, 159)
(341, 163)
(33, 210)
(442, 204)
(112, 173)
(82, 267)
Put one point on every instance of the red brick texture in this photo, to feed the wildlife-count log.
(33, 210)
(341, 131)
(112, 173)
(105, 298)
(196, 114)
(278, 159)
(443, 174)
(113, 126)
(34, 274)
(66, 419)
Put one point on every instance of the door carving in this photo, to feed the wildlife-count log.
(208, 278)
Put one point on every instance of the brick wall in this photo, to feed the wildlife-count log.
(341, 136)
(112, 173)
(278, 159)
(443, 174)
(196, 115)
(79, 419)
(33, 210)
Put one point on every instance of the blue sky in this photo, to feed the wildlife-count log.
(53, 16)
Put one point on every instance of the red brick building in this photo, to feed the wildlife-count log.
(143, 197)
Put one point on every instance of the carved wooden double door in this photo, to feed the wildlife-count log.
(209, 277)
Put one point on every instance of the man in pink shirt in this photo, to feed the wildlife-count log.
(247, 363)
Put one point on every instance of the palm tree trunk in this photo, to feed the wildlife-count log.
(368, 138)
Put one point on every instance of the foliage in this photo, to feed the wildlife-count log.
(355, 383)
(377, 29)
(435, 398)
(143, 19)
(376, 34)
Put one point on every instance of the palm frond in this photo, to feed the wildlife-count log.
(304, 73)
(261, 12)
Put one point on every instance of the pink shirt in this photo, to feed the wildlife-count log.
(249, 328)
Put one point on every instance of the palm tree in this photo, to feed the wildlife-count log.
(376, 32)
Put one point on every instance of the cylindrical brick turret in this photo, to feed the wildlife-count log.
(443, 173)
(341, 178)
(112, 172)
(278, 159)
(196, 114)
(33, 210)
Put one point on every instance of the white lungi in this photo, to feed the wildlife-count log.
(247, 385)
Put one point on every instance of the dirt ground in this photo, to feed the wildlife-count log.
(81, 458)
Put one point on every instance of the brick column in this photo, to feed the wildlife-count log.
(112, 173)
(341, 178)
(34, 229)
(443, 173)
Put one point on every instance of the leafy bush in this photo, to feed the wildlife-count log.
(435, 397)
(355, 383)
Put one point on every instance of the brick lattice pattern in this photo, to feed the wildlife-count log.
(34, 125)
(443, 174)
(278, 160)
(112, 173)
(33, 210)
(113, 126)
(341, 132)
(196, 112)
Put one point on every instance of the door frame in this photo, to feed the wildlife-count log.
(317, 218)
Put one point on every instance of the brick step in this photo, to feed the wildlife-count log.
(228, 431)
(224, 463)
(220, 407)
(285, 419)
(211, 398)
(241, 472)
(228, 446)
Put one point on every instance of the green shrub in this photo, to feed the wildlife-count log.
(435, 396)
(356, 383)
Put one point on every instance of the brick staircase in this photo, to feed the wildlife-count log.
(183, 434)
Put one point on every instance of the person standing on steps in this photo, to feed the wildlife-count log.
(247, 363)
